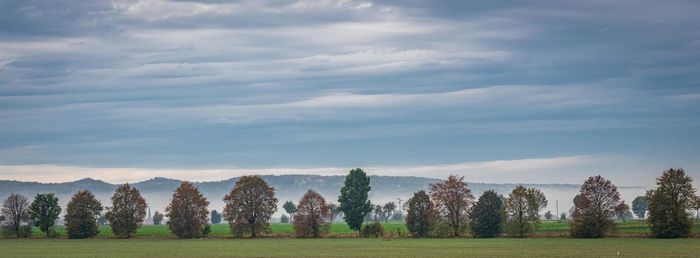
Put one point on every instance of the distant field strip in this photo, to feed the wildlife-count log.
(289, 247)
(547, 228)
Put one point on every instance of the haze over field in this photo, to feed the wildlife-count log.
(499, 92)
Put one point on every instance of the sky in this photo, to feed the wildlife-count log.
(496, 91)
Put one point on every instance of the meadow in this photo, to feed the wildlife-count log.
(291, 247)
(634, 228)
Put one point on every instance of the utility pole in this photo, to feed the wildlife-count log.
(558, 215)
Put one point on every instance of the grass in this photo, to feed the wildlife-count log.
(547, 228)
(290, 247)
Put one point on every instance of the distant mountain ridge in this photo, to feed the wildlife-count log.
(158, 191)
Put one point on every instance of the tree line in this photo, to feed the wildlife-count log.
(448, 209)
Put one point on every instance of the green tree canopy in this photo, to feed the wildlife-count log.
(670, 204)
(420, 218)
(354, 198)
(44, 210)
(486, 215)
(639, 206)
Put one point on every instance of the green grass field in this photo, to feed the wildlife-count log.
(547, 228)
(289, 247)
(157, 241)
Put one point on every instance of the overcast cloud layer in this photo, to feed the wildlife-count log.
(499, 92)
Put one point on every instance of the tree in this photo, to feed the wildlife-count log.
(420, 217)
(521, 209)
(538, 201)
(15, 210)
(548, 215)
(312, 215)
(639, 206)
(128, 211)
(157, 218)
(290, 208)
(670, 205)
(215, 217)
(562, 216)
(81, 215)
(622, 211)
(44, 210)
(388, 209)
(486, 215)
(250, 206)
(594, 207)
(378, 213)
(335, 211)
(452, 201)
(354, 198)
(187, 212)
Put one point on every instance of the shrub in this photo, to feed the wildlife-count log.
(374, 229)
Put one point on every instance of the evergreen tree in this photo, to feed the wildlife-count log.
(354, 198)
(420, 218)
(486, 215)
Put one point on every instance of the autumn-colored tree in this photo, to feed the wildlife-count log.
(44, 210)
(486, 216)
(594, 208)
(452, 199)
(670, 204)
(249, 206)
(639, 206)
(521, 209)
(15, 210)
(312, 215)
(354, 198)
(187, 212)
(127, 212)
(157, 218)
(81, 215)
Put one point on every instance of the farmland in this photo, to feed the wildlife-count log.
(289, 247)
(546, 229)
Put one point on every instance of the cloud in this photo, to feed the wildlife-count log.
(159, 84)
